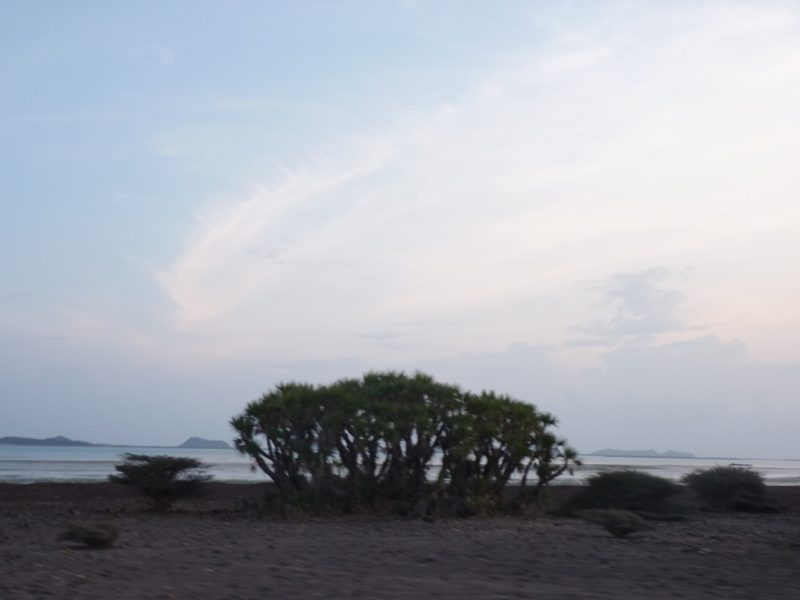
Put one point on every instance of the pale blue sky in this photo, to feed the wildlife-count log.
(592, 206)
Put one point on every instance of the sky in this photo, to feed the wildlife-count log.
(593, 207)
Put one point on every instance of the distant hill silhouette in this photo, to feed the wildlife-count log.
(204, 444)
(641, 453)
(58, 440)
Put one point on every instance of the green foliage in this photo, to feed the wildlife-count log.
(93, 535)
(619, 523)
(628, 490)
(163, 479)
(732, 488)
(360, 442)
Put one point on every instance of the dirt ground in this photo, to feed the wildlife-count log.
(210, 549)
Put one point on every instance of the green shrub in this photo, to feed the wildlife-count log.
(163, 479)
(628, 490)
(619, 523)
(376, 440)
(730, 488)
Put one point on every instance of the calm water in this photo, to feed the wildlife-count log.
(26, 464)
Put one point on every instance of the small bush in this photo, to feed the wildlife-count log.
(93, 535)
(628, 490)
(163, 479)
(618, 523)
(730, 488)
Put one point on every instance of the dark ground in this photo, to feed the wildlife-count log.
(210, 549)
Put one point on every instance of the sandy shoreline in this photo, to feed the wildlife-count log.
(211, 549)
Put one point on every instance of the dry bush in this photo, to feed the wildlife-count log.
(93, 535)
(618, 523)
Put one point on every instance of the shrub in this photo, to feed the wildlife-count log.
(93, 535)
(732, 488)
(618, 523)
(628, 490)
(163, 479)
(359, 442)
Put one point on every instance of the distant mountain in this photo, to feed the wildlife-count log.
(58, 440)
(677, 454)
(641, 453)
(204, 444)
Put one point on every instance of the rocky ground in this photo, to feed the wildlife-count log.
(210, 548)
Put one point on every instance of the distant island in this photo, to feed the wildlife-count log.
(641, 453)
(58, 440)
(62, 441)
(204, 444)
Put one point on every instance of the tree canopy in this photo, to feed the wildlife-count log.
(407, 439)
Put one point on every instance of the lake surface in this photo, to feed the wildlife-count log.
(27, 464)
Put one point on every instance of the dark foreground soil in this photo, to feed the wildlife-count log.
(210, 549)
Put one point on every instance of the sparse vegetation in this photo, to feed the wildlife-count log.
(628, 490)
(93, 535)
(619, 523)
(380, 439)
(163, 479)
(730, 488)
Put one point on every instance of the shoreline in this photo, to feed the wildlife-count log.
(230, 496)
(26, 465)
(789, 488)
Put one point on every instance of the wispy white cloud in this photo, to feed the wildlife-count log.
(234, 252)
(661, 137)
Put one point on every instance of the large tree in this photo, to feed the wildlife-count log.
(400, 438)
